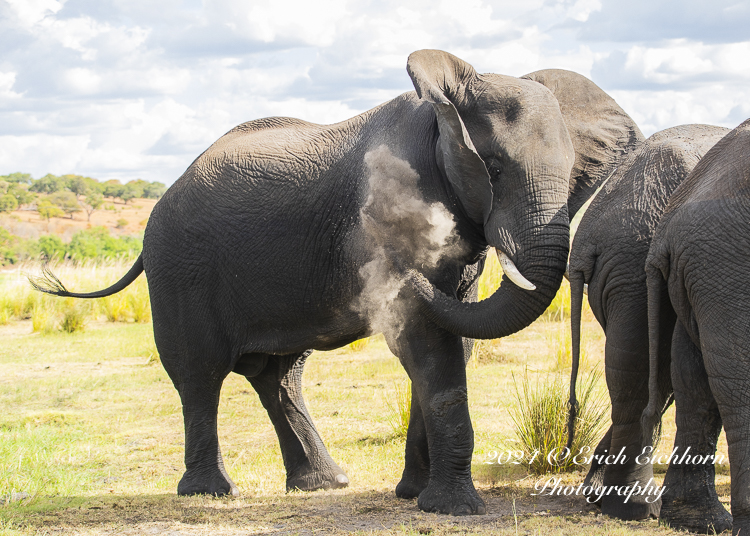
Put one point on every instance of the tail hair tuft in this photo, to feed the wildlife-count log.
(48, 283)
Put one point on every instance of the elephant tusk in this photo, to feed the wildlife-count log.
(512, 272)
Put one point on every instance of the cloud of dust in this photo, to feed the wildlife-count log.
(402, 225)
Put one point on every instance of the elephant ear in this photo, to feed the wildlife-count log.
(601, 132)
(442, 79)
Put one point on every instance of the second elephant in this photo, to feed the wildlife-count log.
(609, 253)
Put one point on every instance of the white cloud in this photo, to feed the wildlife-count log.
(30, 12)
(134, 88)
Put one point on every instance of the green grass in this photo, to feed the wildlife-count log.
(91, 430)
(540, 418)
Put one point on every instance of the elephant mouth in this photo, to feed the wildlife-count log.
(512, 272)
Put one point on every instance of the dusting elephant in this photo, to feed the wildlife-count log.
(609, 254)
(699, 258)
(286, 236)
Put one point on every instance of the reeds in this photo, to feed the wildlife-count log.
(540, 419)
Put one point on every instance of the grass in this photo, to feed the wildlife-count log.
(399, 409)
(540, 416)
(92, 434)
(48, 313)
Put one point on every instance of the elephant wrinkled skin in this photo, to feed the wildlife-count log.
(699, 257)
(286, 236)
(608, 253)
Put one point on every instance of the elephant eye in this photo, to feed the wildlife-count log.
(494, 169)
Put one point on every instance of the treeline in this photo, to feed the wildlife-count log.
(56, 196)
(89, 244)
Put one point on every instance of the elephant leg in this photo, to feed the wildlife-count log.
(595, 477)
(728, 375)
(690, 501)
(416, 474)
(434, 360)
(279, 386)
(627, 379)
(205, 472)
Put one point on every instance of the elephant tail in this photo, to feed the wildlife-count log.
(577, 288)
(651, 417)
(50, 284)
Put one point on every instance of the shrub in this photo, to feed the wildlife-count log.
(540, 419)
(8, 203)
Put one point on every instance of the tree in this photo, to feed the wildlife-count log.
(80, 185)
(154, 190)
(52, 247)
(113, 188)
(133, 189)
(67, 201)
(21, 178)
(48, 184)
(8, 203)
(92, 202)
(21, 193)
(47, 209)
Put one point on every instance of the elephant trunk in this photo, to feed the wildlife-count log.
(541, 259)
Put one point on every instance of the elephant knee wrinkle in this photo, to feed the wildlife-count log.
(442, 402)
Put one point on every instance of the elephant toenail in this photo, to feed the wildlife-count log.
(341, 479)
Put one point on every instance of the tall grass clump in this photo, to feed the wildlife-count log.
(399, 409)
(114, 307)
(74, 315)
(540, 419)
(138, 301)
(43, 317)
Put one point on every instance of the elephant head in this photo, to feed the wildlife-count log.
(522, 156)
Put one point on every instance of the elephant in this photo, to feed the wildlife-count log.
(699, 257)
(609, 254)
(286, 236)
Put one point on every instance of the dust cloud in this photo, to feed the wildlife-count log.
(403, 228)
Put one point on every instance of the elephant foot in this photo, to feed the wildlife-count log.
(635, 509)
(410, 488)
(594, 480)
(215, 483)
(312, 480)
(704, 515)
(453, 500)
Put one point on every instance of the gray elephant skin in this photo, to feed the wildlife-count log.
(286, 236)
(609, 254)
(699, 256)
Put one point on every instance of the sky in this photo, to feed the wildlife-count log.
(126, 89)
